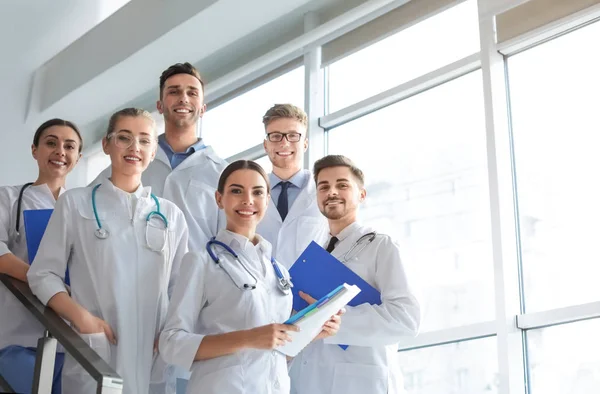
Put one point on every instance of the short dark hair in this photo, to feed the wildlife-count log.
(179, 68)
(56, 122)
(241, 165)
(338, 161)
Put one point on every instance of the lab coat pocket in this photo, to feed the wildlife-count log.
(157, 235)
(225, 380)
(99, 343)
(75, 379)
(359, 379)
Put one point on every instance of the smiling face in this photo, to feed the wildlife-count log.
(285, 154)
(57, 151)
(244, 199)
(339, 194)
(182, 101)
(131, 146)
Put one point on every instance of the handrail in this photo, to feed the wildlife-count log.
(4, 386)
(108, 380)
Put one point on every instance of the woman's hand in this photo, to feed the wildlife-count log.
(90, 324)
(270, 336)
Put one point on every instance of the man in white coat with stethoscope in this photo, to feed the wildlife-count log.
(186, 170)
(293, 219)
(369, 363)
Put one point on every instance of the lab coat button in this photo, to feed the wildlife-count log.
(276, 384)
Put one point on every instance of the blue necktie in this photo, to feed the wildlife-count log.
(282, 202)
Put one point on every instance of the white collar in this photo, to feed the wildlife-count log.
(347, 231)
(43, 188)
(240, 243)
(140, 192)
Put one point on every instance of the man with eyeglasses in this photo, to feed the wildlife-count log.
(293, 218)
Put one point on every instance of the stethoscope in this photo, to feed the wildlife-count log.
(19, 203)
(360, 243)
(283, 283)
(102, 233)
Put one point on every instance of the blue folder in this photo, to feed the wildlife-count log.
(316, 272)
(36, 221)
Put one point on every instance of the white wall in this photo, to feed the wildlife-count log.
(31, 33)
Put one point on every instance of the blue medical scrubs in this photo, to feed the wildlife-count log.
(17, 365)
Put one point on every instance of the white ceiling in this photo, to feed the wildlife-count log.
(81, 60)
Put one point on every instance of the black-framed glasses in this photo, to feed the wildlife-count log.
(278, 137)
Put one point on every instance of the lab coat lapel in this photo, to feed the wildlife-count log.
(162, 156)
(273, 213)
(197, 158)
(303, 201)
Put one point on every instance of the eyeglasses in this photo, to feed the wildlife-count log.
(278, 137)
(125, 140)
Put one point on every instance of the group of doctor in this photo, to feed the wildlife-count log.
(178, 262)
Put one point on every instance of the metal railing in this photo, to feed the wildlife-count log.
(4, 386)
(58, 331)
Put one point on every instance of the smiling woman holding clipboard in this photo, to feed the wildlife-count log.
(224, 321)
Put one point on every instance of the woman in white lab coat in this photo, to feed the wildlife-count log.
(224, 320)
(57, 148)
(122, 246)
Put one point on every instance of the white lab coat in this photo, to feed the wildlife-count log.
(206, 302)
(17, 324)
(191, 186)
(304, 223)
(373, 331)
(118, 279)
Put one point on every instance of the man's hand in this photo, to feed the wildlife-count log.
(331, 326)
(307, 297)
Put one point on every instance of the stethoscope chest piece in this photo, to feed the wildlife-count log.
(101, 233)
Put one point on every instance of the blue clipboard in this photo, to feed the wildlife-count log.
(316, 272)
(36, 221)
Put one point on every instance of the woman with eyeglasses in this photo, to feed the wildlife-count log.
(224, 321)
(56, 147)
(123, 247)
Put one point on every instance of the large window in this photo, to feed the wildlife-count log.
(426, 179)
(237, 125)
(554, 95)
(468, 367)
(425, 157)
(564, 359)
(417, 50)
